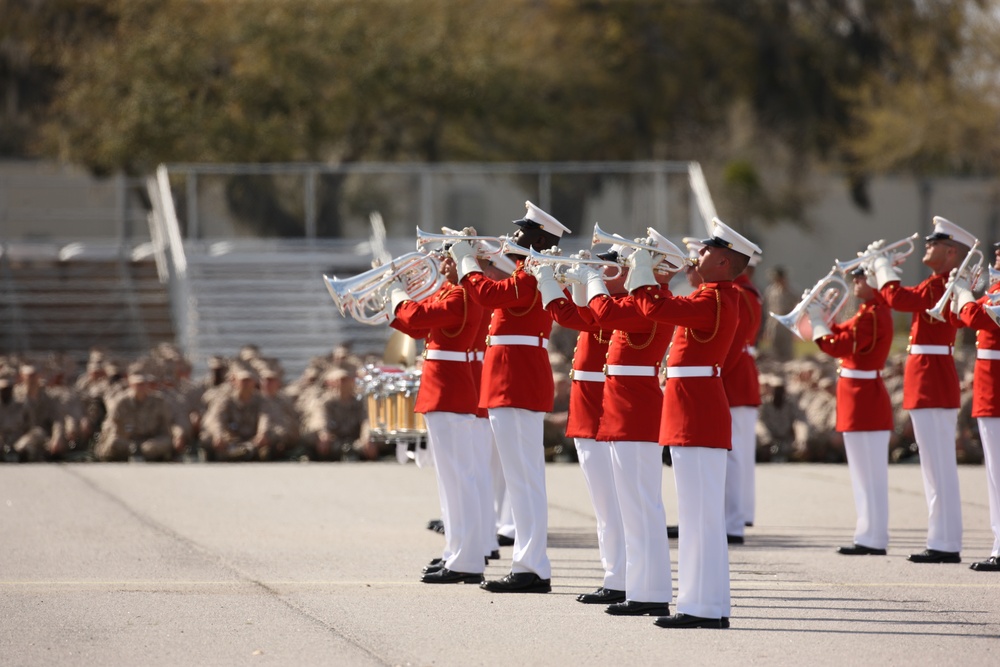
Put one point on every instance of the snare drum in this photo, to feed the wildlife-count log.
(404, 401)
(377, 388)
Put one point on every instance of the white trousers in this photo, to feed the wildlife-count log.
(503, 517)
(989, 431)
(638, 470)
(703, 553)
(457, 456)
(483, 435)
(868, 464)
(740, 461)
(934, 429)
(598, 473)
(518, 435)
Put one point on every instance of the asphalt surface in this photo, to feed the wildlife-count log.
(319, 564)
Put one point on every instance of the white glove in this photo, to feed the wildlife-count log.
(579, 292)
(818, 321)
(882, 269)
(397, 295)
(465, 259)
(580, 273)
(547, 285)
(640, 264)
(961, 294)
(595, 285)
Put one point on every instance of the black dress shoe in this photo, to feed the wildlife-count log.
(991, 564)
(935, 556)
(602, 596)
(633, 608)
(433, 566)
(505, 541)
(688, 621)
(860, 550)
(734, 539)
(748, 524)
(519, 582)
(446, 576)
(494, 555)
(673, 532)
(437, 525)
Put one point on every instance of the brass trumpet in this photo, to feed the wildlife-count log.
(364, 296)
(896, 258)
(971, 269)
(562, 264)
(830, 291)
(424, 239)
(672, 255)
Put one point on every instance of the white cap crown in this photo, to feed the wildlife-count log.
(946, 229)
(544, 220)
(724, 236)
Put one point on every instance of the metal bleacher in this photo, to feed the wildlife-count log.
(271, 294)
(70, 297)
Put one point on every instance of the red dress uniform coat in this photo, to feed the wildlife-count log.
(695, 409)
(479, 347)
(585, 396)
(929, 380)
(452, 319)
(986, 374)
(631, 403)
(514, 376)
(862, 343)
(739, 370)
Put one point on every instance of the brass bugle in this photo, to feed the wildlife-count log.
(897, 258)
(971, 269)
(830, 291)
(364, 296)
(671, 254)
(561, 264)
(426, 238)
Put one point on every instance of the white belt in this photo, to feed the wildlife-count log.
(751, 350)
(930, 349)
(447, 355)
(531, 341)
(693, 371)
(856, 374)
(987, 354)
(478, 356)
(586, 376)
(644, 371)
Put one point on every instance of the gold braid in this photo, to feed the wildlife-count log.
(628, 341)
(599, 337)
(465, 312)
(718, 319)
(526, 310)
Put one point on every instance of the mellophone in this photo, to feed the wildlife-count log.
(831, 292)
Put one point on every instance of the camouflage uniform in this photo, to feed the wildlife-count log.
(46, 435)
(134, 426)
(231, 426)
(14, 420)
(340, 419)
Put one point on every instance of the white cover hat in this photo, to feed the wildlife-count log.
(724, 236)
(543, 219)
(946, 229)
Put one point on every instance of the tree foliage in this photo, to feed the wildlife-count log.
(768, 86)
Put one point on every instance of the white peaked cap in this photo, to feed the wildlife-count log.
(694, 246)
(724, 236)
(663, 243)
(946, 229)
(544, 220)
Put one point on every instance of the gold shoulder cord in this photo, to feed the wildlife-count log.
(628, 341)
(874, 334)
(526, 310)
(465, 313)
(718, 319)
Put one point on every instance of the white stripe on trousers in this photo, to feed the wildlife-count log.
(702, 550)
(519, 441)
(596, 465)
(638, 469)
(455, 459)
(868, 464)
(934, 429)
(740, 461)
(989, 431)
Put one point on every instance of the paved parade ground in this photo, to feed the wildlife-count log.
(318, 564)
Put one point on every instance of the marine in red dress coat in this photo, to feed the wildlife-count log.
(739, 370)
